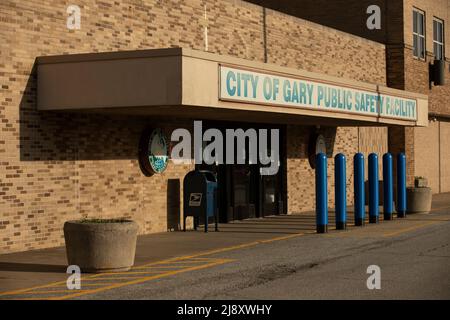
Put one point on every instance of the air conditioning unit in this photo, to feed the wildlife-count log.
(437, 72)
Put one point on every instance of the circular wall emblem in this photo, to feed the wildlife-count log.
(158, 151)
(154, 154)
(321, 145)
(317, 145)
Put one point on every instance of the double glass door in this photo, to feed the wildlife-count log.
(243, 191)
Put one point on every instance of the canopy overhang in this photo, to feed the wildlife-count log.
(188, 83)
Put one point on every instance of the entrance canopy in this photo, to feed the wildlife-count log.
(188, 83)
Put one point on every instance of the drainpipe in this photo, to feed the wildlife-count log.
(264, 34)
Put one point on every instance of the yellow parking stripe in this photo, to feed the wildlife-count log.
(57, 291)
(404, 230)
(164, 267)
(167, 267)
(231, 248)
(84, 284)
(108, 278)
(140, 280)
(143, 277)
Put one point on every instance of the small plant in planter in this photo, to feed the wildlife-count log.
(418, 198)
(420, 182)
(99, 245)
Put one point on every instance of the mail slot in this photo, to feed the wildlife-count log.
(200, 197)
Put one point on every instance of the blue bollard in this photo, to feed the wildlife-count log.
(401, 185)
(358, 167)
(373, 188)
(340, 192)
(321, 194)
(387, 187)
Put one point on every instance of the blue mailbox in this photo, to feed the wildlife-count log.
(200, 197)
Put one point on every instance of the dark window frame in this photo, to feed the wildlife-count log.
(436, 43)
(419, 36)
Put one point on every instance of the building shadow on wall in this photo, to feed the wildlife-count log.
(173, 205)
(57, 136)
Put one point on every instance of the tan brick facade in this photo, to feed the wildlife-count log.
(403, 70)
(61, 166)
(432, 9)
(428, 155)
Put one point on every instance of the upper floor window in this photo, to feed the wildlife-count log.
(419, 34)
(438, 39)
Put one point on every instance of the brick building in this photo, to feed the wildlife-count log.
(406, 68)
(75, 103)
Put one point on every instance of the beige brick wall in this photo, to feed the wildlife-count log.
(427, 150)
(444, 156)
(432, 154)
(61, 166)
(301, 44)
(416, 79)
(346, 140)
(373, 140)
(432, 8)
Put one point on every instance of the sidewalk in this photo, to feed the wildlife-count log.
(38, 267)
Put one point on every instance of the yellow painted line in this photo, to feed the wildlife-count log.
(107, 286)
(52, 291)
(140, 280)
(83, 284)
(197, 256)
(107, 278)
(404, 230)
(131, 272)
(286, 237)
(231, 248)
(20, 291)
(163, 267)
(64, 282)
(188, 262)
(27, 298)
(179, 266)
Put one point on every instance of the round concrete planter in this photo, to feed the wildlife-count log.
(101, 246)
(418, 200)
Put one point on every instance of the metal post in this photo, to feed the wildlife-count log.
(401, 185)
(358, 167)
(340, 192)
(216, 210)
(321, 194)
(387, 187)
(373, 188)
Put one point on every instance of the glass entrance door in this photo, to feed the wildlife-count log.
(242, 189)
(269, 195)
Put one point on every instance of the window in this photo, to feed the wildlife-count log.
(419, 34)
(438, 39)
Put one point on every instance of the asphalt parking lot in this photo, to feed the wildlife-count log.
(278, 257)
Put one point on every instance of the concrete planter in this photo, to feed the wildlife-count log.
(418, 200)
(101, 246)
